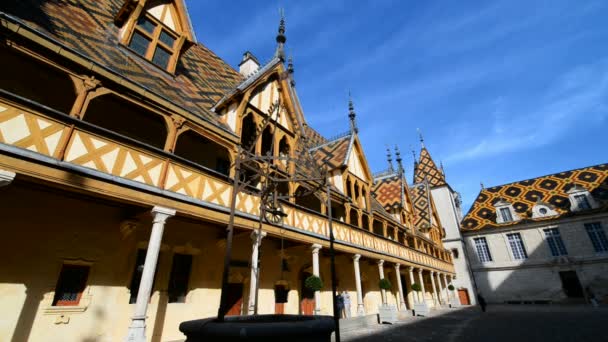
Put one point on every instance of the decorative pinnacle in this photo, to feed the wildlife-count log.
(398, 158)
(389, 158)
(281, 39)
(290, 71)
(352, 115)
(421, 138)
(441, 166)
(482, 186)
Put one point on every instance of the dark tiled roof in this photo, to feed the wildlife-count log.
(524, 195)
(87, 26)
(333, 153)
(422, 207)
(315, 138)
(426, 168)
(388, 191)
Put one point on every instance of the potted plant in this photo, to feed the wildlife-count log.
(313, 283)
(451, 287)
(416, 287)
(385, 284)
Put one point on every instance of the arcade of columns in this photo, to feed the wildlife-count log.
(439, 281)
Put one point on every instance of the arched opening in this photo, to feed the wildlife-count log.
(349, 193)
(197, 149)
(284, 150)
(363, 198)
(126, 118)
(365, 222)
(357, 195)
(378, 228)
(390, 232)
(282, 185)
(36, 81)
(337, 211)
(308, 201)
(267, 142)
(247, 132)
(354, 217)
(410, 242)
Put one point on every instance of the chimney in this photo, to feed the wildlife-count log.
(249, 64)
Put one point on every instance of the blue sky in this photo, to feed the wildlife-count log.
(502, 91)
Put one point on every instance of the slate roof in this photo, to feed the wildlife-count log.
(87, 26)
(426, 168)
(550, 189)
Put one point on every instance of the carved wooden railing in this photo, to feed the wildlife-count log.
(53, 137)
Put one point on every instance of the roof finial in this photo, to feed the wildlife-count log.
(482, 186)
(389, 158)
(441, 166)
(398, 159)
(281, 39)
(421, 138)
(290, 70)
(414, 155)
(352, 114)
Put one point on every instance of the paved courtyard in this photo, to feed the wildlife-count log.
(499, 323)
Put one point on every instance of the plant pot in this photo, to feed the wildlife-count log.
(267, 328)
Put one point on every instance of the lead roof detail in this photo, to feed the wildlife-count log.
(550, 190)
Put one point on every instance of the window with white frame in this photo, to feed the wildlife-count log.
(483, 252)
(597, 236)
(582, 202)
(517, 246)
(506, 214)
(555, 242)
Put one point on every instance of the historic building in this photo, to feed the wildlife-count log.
(541, 240)
(118, 137)
(436, 195)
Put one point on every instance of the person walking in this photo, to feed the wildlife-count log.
(346, 301)
(340, 303)
(482, 302)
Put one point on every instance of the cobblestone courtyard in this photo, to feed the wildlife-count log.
(499, 323)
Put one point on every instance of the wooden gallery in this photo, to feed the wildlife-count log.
(119, 136)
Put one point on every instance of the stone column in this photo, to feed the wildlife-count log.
(253, 282)
(400, 287)
(445, 293)
(6, 177)
(315, 271)
(360, 305)
(435, 297)
(412, 282)
(137, 329)
(422, 286)
(381, 274)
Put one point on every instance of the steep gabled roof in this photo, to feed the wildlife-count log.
(388, 190)
(87, 27)
(425, 213)
(550, 189)
(334, 153)
(426, 168)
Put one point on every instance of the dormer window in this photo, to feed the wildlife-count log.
(542, 209)
(505, 212)
(580, 199)
(153, 41)
(157, 32)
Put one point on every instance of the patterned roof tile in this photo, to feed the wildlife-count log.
(427, 169)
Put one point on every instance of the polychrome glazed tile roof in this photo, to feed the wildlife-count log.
(87, 26)
(550, 190)
(426, 168)
(388, 190)
(422, 206)
(333, 153)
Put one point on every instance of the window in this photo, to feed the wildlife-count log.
(554, 240)
(582, 201)
(506, 214)
(483, 252)
(517, 246)
(154, 41)
(178, 280)
(455, 253)
(137, 272)
(72, 282)
(597, 236)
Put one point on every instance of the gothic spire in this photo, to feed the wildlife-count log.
(398, 159)
(421, 138)
(389, 158)
(281, 39)
(352, 115)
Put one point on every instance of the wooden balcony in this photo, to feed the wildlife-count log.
(64, 138)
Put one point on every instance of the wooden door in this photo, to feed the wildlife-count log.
(307, 303)
(571, 285)
(279, 308)
(463, 295)
(235, 299)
